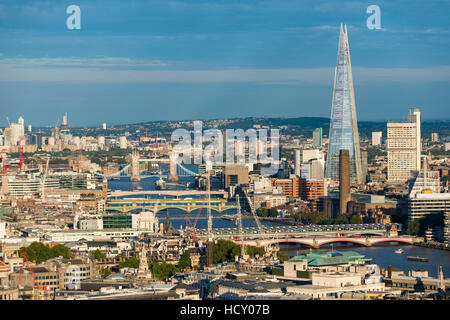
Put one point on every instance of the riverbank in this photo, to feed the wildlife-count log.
(434, 245)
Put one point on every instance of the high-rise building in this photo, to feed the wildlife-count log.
(343, 125)
(297, 162)
(376, 138)
(435, 137)
(424, 180)
(104, 126)
(123, 142)
(403, 148)
(317, 138)
(344, 180)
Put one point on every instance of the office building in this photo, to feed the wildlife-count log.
(426, 203)
(376, 138)
(435, 137)
(235, 174)
(317, 138)
(123, 142)
(297, 162)
(424, 180)
(344, 125)
(403, 148)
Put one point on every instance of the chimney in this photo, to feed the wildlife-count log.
(344, 180)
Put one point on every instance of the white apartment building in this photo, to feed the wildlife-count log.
(403, 148)
(376, 138)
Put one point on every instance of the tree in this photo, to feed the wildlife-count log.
(283, 256)
(98, 255)
(252, 251)
(130, 263)
(39, 252)
(413, 227)
(224, 250)
(185, 260)
(341, 219)
(355, 219)
(273, 212)
(163, 270)
(264, 212)
(104, 272)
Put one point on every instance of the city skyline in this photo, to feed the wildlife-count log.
(207, 60)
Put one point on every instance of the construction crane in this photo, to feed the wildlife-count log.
(239, 220)
(191, 225)
(252, 210)
(25, 260)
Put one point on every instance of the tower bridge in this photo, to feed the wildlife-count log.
(133, 169)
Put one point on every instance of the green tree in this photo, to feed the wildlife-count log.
(39, 252)
(264, 212)
(130, 263)
(163, 270)
(355, 219)
(413, 227)
(98, 255)
(283, 256)
(224, 250)
(185, 260)
(341, 219)
(273, 212)
(60, 250)
(104, 272)
(252, 251)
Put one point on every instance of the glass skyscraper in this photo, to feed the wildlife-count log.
(344, 125)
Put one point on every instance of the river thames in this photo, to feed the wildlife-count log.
(382, 255)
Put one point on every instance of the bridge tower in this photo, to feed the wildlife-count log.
(135, 171)
(173, 176)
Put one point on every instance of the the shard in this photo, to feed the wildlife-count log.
(344, 125)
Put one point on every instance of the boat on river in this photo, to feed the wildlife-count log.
(417, 258)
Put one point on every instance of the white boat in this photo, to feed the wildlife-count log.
(399, 251)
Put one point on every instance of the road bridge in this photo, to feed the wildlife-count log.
(156, 205)
(316, 242)
(174, 193)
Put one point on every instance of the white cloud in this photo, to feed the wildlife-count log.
(125, 70)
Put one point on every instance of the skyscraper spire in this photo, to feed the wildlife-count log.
(344, 125)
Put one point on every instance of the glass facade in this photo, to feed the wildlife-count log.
(343, 126)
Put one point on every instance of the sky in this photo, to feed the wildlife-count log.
(145, 60)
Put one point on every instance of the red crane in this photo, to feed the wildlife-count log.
(25, 260)
(191, 224)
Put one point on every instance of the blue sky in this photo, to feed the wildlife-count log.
(136, 61)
